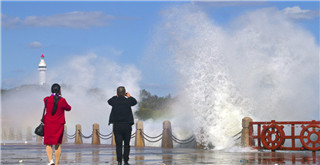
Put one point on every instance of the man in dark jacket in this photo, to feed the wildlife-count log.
(122, 119)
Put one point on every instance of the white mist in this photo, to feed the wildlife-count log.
(262, 65)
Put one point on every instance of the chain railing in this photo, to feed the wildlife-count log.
(86, 137)
(236, 136)
(71, 136)
(159, 137)
(186, 141)
(101, 136)
(145, 136)
(104, 137)
(139, 135)
(133, 135)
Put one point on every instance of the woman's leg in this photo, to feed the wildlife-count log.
(49, 152)
(57, 153)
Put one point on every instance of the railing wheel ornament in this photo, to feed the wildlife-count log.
(272, 136)
(305, 137)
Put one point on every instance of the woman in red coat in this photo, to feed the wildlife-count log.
(54, 121)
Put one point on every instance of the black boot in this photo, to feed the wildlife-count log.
(119, 163)
(126, 163)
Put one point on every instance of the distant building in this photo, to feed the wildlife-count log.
(42, 71)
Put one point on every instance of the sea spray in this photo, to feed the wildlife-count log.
(274, 62)
(262, 66)
(209, 94)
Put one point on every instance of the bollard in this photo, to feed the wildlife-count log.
(29, 134)
(78, 138)
(39, 139)
(139, 140)
(113, 141)
(166, 135)
(19, 134)
(95, 134)
(64, 139)
(245, 132)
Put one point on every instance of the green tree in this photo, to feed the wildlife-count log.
(152, 106)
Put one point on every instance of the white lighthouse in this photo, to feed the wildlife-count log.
(42, 71)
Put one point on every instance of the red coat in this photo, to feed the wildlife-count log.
(54, 124)
(59, 116)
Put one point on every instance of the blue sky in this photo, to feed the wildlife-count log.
(119, 31)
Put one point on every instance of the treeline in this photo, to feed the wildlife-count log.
(152, 106)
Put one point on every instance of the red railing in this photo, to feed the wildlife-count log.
(298, 135)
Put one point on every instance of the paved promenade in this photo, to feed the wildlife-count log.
(87, 154)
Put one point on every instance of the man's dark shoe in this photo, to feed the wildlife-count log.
(119, 163)
(126, 163)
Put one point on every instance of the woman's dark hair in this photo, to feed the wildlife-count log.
(55, 88)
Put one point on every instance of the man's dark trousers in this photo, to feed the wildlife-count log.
(122, 133)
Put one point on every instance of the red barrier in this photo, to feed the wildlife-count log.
(272, 136)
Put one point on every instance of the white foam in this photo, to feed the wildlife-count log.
(262, 66)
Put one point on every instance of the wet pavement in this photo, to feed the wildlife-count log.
(87, 154)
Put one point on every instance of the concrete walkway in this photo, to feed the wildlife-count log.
(87, 154)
